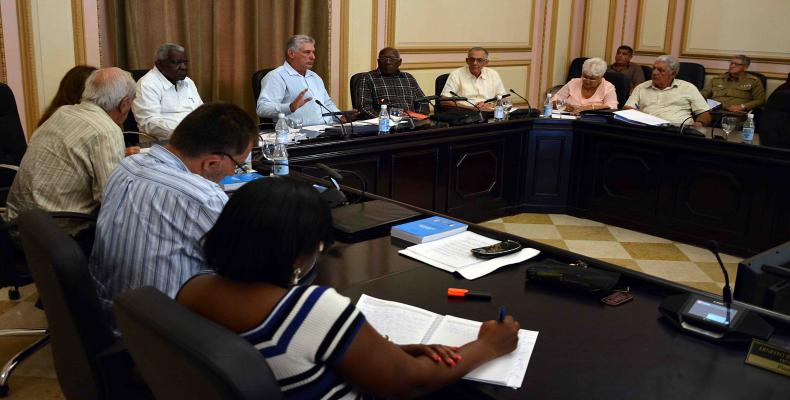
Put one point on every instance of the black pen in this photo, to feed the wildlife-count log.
(502, 313)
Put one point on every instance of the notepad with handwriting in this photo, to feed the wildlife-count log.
(405, 324)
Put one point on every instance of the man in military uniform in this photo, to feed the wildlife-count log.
(736, 90)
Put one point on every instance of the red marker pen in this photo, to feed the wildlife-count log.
(468, 294)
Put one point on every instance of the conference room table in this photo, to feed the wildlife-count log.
(585, 349)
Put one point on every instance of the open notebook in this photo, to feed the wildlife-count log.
(405, 324)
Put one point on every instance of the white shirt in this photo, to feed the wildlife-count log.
(475, 88)
(675, 103)
(281, 86)
(159, 105)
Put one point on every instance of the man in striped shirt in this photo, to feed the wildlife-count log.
(71, 155)
(388, 85)
(158, 205)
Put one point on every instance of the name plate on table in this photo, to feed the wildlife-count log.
(769, 356)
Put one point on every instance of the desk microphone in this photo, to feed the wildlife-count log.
(426, 99)
(479, 112)
(529, 107)
(683, 123)
(329, 171)
(342, 127)
(713, 246)
(494, 99)
(713, 128)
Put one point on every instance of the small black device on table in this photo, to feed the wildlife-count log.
(497, 249)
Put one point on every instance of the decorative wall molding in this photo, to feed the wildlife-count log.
(344, 50)
(28, 59)
(78, 27)
(668, 29)
(3, 71)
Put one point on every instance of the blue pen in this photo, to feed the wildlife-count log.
(502, 313)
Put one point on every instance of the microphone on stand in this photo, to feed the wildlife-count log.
(494, 99)
(479, 112)
(684, 122)
(713, 246)
(334, 114)
(529, 107)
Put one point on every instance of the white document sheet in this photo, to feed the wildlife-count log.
(638, 117)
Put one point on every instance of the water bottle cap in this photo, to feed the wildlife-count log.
(749, 115)
(280, 115)
(499, 97)
(383, 106)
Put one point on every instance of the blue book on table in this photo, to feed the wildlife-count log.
(428, 229)
(233, 182)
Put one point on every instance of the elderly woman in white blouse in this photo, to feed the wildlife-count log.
(591, 91)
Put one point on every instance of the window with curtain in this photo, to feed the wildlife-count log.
(226, 40)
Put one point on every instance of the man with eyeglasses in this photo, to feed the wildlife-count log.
(165, 95)
(475, 81)
(736, 90)
(158, 205)
(388, 85)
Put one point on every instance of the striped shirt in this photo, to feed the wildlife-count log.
(68, 162)
(399, 90)
(153, 214)
(304, 338)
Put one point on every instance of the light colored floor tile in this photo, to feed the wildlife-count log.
(572, 232)
(562, 219)
(494, 221)
(597, 249)
(655, 251)
(23, 315)
(714, 271)
(533, 231)
(494, 225)
(676, 271)
(553, 242)
(627, 235)
(528, 218)
(623, 262)
(708, 287)
(701, 254)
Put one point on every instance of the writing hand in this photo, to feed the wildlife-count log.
(299, 101)
(485, 106)
(500, 337)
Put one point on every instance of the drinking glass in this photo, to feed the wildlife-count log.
(396, 115)
(560, 103)
(267, 146)
(728, 124)
(295, 124)
(508, 105)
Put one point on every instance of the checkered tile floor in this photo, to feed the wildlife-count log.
(677, 262)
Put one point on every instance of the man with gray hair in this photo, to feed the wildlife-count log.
(71, 155)
(293, 89)
(165, 95)
(736, 90)
(475, 81)
(674, 100)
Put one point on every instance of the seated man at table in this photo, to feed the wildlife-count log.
(158, 205)
(475, 81)
(72, 154)
(736, 90)
(623, 65)
(294, 89)
(388, 85)
(674, 100)
(165, 95)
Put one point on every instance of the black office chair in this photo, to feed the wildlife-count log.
(775, 120)
(438, 87)
(648, 71)
(257, 77)
(130, 124)
(622, 86)
(185, 356)
(90, 361)
(693, 73)
(575, 69)
(12, 141)
(354, 83)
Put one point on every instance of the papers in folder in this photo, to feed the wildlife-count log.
(639, 118)
(405, 324)
(454, 254)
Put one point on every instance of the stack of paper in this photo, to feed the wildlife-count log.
(639, 118)
(454, 254)
(405, 324)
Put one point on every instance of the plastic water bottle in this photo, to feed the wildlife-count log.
(748, 129)
(499, 110)
(547, 106)
(248, 163)
(281, 129)
(280, 151)
(384, 121)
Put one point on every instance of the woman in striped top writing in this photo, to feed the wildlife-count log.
(263, 248)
